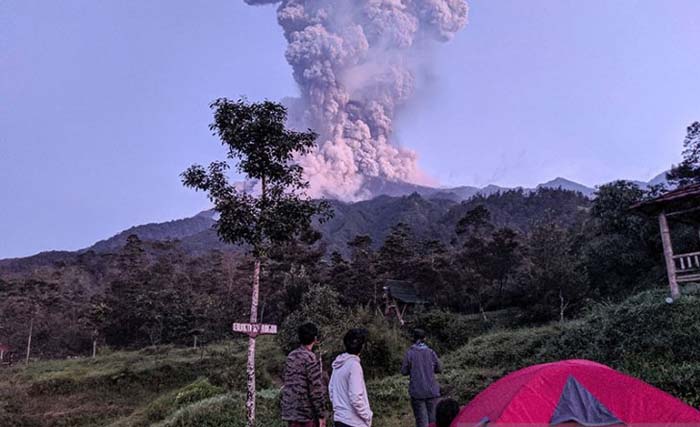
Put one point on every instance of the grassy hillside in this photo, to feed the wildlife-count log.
(167, 386)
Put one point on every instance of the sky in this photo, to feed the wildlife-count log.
(103, 104)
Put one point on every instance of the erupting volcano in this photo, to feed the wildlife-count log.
(356, 63)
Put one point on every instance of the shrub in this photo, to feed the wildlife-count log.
(386, 343)
(225, 411)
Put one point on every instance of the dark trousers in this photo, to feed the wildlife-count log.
(424, 411)
(302, 424)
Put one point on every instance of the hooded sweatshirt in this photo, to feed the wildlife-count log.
(348, 393)
(421, 363)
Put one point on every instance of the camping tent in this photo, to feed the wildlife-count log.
(574, 391)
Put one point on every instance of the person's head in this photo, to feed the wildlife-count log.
(308, 333)
(445, 412)
(418, 335)
(354, 340)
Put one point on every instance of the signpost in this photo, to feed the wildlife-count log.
(252, 330)
(255, 329)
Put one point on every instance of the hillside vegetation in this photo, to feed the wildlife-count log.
(168, 386)
(543, 255)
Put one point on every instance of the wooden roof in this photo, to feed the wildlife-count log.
(404, 291)
(681, 198)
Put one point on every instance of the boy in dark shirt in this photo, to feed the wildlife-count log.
(304, 393)
(421, 363)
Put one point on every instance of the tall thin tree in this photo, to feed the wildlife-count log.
(263, 150)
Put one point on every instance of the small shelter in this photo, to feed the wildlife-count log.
(682, 204)
(398, 296)
(4, 349)
(574, 392)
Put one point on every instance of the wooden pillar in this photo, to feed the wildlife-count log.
(29, 340)
(668, 255)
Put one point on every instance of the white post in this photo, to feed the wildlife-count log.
(250, 401)
(668, 255)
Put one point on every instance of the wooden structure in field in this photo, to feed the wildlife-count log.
(399, 295)
(3, 351)
(683, 205)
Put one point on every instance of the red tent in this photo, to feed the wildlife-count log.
(577, 392)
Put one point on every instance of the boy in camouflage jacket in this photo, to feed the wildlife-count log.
(304, 397)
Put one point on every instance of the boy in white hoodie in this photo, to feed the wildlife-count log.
(347, 389)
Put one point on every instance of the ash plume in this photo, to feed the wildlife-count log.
(356, 63)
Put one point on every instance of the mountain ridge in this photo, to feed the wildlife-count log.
(197, 233)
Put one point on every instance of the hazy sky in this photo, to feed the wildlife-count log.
(103, 104)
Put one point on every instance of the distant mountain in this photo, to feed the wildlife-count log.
(659, 179)
(194, 229)
(429, 211)
(565, 184)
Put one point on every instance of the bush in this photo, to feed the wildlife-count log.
(643, 325)
(319, 305)
(386, 343)
(507, 350)
(230, 364)
(167, 404)
(385, 347)
(226, 411)
(642, 336)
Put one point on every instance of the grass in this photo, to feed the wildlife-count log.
(176, 387)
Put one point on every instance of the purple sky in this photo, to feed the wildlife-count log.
(103, 104)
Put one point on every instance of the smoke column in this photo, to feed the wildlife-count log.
(355, 62)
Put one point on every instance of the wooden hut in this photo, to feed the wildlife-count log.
(400, 295)
(682, 205)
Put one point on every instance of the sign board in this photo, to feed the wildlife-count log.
(254, 329)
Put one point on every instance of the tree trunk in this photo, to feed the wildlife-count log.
(562, 306)
(94, 348)
(250, 402)
(195, 342)
(483, 313)
(29, 340)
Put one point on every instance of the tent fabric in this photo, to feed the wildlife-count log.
(531, 396)
(579, 405)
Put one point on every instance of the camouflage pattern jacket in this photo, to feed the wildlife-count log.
(304, 392)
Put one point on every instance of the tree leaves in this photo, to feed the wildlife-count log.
(264, 150)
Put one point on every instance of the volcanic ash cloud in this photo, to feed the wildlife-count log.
(356, 62)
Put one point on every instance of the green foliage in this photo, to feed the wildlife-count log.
(225, 411)
(263, 149)
(386, 343)
(621, 252)
(688, 171)
(385, 347)
(165, 405)
(643, 336)
(553, 280)
(507, 350)
(465, 383)
(320, 306)
(448, 331)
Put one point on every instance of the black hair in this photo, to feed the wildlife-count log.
(418, 335)
(445, 412)
(354, 340)
(308, 332)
